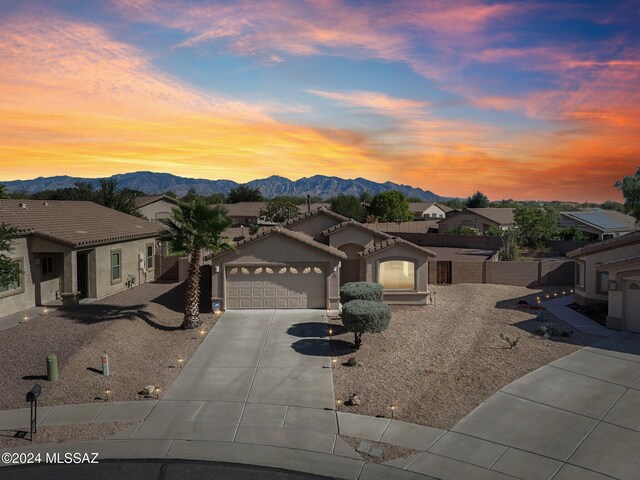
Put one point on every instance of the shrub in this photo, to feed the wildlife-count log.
(460, 230)
(361, 291)
(365, 316)
(548, 330)
(351, 362)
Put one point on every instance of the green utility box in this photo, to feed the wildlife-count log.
(52, 368)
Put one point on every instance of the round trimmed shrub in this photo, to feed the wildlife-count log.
(365, 316)
(361, 291)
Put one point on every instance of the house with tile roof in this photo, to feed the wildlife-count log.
(155, 207)
(479, 218)
(607, 274)
(303, 262)
(599, 224)
(428, 210)
(71, 250)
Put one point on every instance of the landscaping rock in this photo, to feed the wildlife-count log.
(354, 400)
(148, 390)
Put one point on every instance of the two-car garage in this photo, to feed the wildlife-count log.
(273, 286)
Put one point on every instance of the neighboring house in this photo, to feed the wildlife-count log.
(608, 274)
(244, 213)
(428, 210)
(303, 263)
(478, 218)
(599, 224)
(155, 207)
(71, 250)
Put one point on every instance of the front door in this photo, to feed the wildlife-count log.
(632, 306)
(83, 274)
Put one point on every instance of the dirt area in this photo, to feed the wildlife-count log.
(138, 328)
(64, 433)
(437, 363)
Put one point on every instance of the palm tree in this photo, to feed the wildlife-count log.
(195, 226)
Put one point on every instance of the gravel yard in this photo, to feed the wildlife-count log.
(437, 363)
(138, 328)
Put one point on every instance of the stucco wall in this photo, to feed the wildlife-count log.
(589, 291)
(15, 302)
(351, 235)
(399, 252)
(312, 226)
(129, 265)
(153, 210)
(277, 250)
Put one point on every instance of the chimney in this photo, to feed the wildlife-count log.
(308, 203)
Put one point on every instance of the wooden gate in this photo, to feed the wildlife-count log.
(443, 272)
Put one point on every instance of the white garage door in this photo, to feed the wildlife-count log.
(293, 286)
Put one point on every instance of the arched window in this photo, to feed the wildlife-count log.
(634, 286)
(397, 274)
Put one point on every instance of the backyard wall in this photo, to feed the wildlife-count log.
(480, 242)
(526, 274)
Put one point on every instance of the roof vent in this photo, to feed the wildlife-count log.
(23, 205)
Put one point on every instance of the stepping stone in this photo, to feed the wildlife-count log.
(376, 452)
(364, 447)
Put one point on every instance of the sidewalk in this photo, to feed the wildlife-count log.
(558, 306)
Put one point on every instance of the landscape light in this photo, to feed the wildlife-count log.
(25, 318)
(107, 392)
(334, 361)
(338, 403)
(45, 311)
(202, 332)
(180, 362)
(330, 332)
(157, 390)
(393, 409)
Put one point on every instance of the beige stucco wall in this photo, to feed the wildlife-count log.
(399, 252)
(588, 293)
(155, 210)
(129, 265)
(465, 220)
(312, 226)
(277, 250)
(620, 276)
(15, 302)
(351, 235)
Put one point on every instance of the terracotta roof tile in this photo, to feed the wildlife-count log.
(144, 200)
(313, 213)
(628, 239)
(335, 228)
(73, 223)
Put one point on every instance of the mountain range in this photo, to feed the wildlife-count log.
(155, 183)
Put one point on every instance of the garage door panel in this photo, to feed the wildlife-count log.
(294, 286)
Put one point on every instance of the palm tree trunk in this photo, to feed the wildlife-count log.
(192, 293)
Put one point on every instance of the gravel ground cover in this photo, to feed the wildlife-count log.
(138, 328)
(64, 433)
(437, 363)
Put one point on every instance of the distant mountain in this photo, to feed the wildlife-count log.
(153, 183)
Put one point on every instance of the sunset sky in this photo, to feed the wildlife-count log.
(527, 100)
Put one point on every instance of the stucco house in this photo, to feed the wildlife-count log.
(72, 250)
(303, 263)
(428, 210)
(248, 213)
(599, 224)
(478, 218)
(608, 273)
(155, 207)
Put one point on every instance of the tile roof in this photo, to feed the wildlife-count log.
(623, 261)
(335, 228)
(313, 213)
(144, 200)
(392, 242)
(611, 243)
(72, 223)
(419, 207)
(501, 216)
(300, 237)
(244, 209)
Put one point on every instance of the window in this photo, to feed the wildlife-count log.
(579, 274)
(149, 256)
(397, 275)
(634, 286)
(17, 287)
(603, 281)
(47, 265)
(116, 266)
